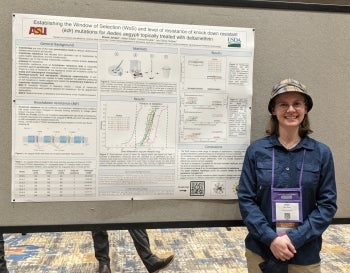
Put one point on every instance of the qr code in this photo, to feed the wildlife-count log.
(197, 188)
(287, 216)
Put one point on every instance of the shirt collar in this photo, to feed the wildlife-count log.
(305, 143)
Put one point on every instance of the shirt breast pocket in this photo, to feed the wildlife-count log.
(264, 173)
(310, 175)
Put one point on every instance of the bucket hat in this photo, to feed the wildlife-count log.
(289, 85)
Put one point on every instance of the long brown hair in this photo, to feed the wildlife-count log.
(304, 127)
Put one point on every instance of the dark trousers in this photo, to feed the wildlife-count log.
(3, 268)
(141, 242)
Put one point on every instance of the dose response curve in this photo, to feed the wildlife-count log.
(138, 124)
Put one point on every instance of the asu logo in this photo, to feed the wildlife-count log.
(38, 30)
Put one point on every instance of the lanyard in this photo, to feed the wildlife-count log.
(286, 203)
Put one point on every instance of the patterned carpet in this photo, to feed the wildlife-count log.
(200, 250)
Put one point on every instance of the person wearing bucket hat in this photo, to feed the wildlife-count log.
(289, 85)
(287, 190)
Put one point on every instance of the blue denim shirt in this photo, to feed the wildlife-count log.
(318, 194)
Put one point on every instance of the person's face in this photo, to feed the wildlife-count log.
(290, 109)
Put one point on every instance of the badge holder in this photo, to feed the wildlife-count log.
(287, 210)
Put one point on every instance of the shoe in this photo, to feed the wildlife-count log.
(162, 263)
(104, 269)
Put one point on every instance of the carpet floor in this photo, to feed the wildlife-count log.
(200, 250)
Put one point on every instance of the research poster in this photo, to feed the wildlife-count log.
(119, 110)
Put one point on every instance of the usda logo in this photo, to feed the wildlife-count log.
(233, 42)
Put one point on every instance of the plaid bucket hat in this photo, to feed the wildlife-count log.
(289, 85)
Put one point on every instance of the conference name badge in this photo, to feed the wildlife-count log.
(286, 208)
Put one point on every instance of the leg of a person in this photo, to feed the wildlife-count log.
(142, 245)
(3, 267)
(101, 246)
(313, 268)
(253, 261)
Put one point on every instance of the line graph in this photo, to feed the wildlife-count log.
(139, 124)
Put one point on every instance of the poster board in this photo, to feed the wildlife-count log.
(128, 110)
(309, 46)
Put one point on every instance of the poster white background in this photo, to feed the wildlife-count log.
(113, 110)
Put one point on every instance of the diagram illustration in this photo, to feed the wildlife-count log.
(146, 66)
(139, 124)
(57, 141)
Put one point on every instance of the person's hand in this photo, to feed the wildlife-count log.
(282, 248)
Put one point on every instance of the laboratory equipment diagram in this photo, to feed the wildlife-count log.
(143, 66)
